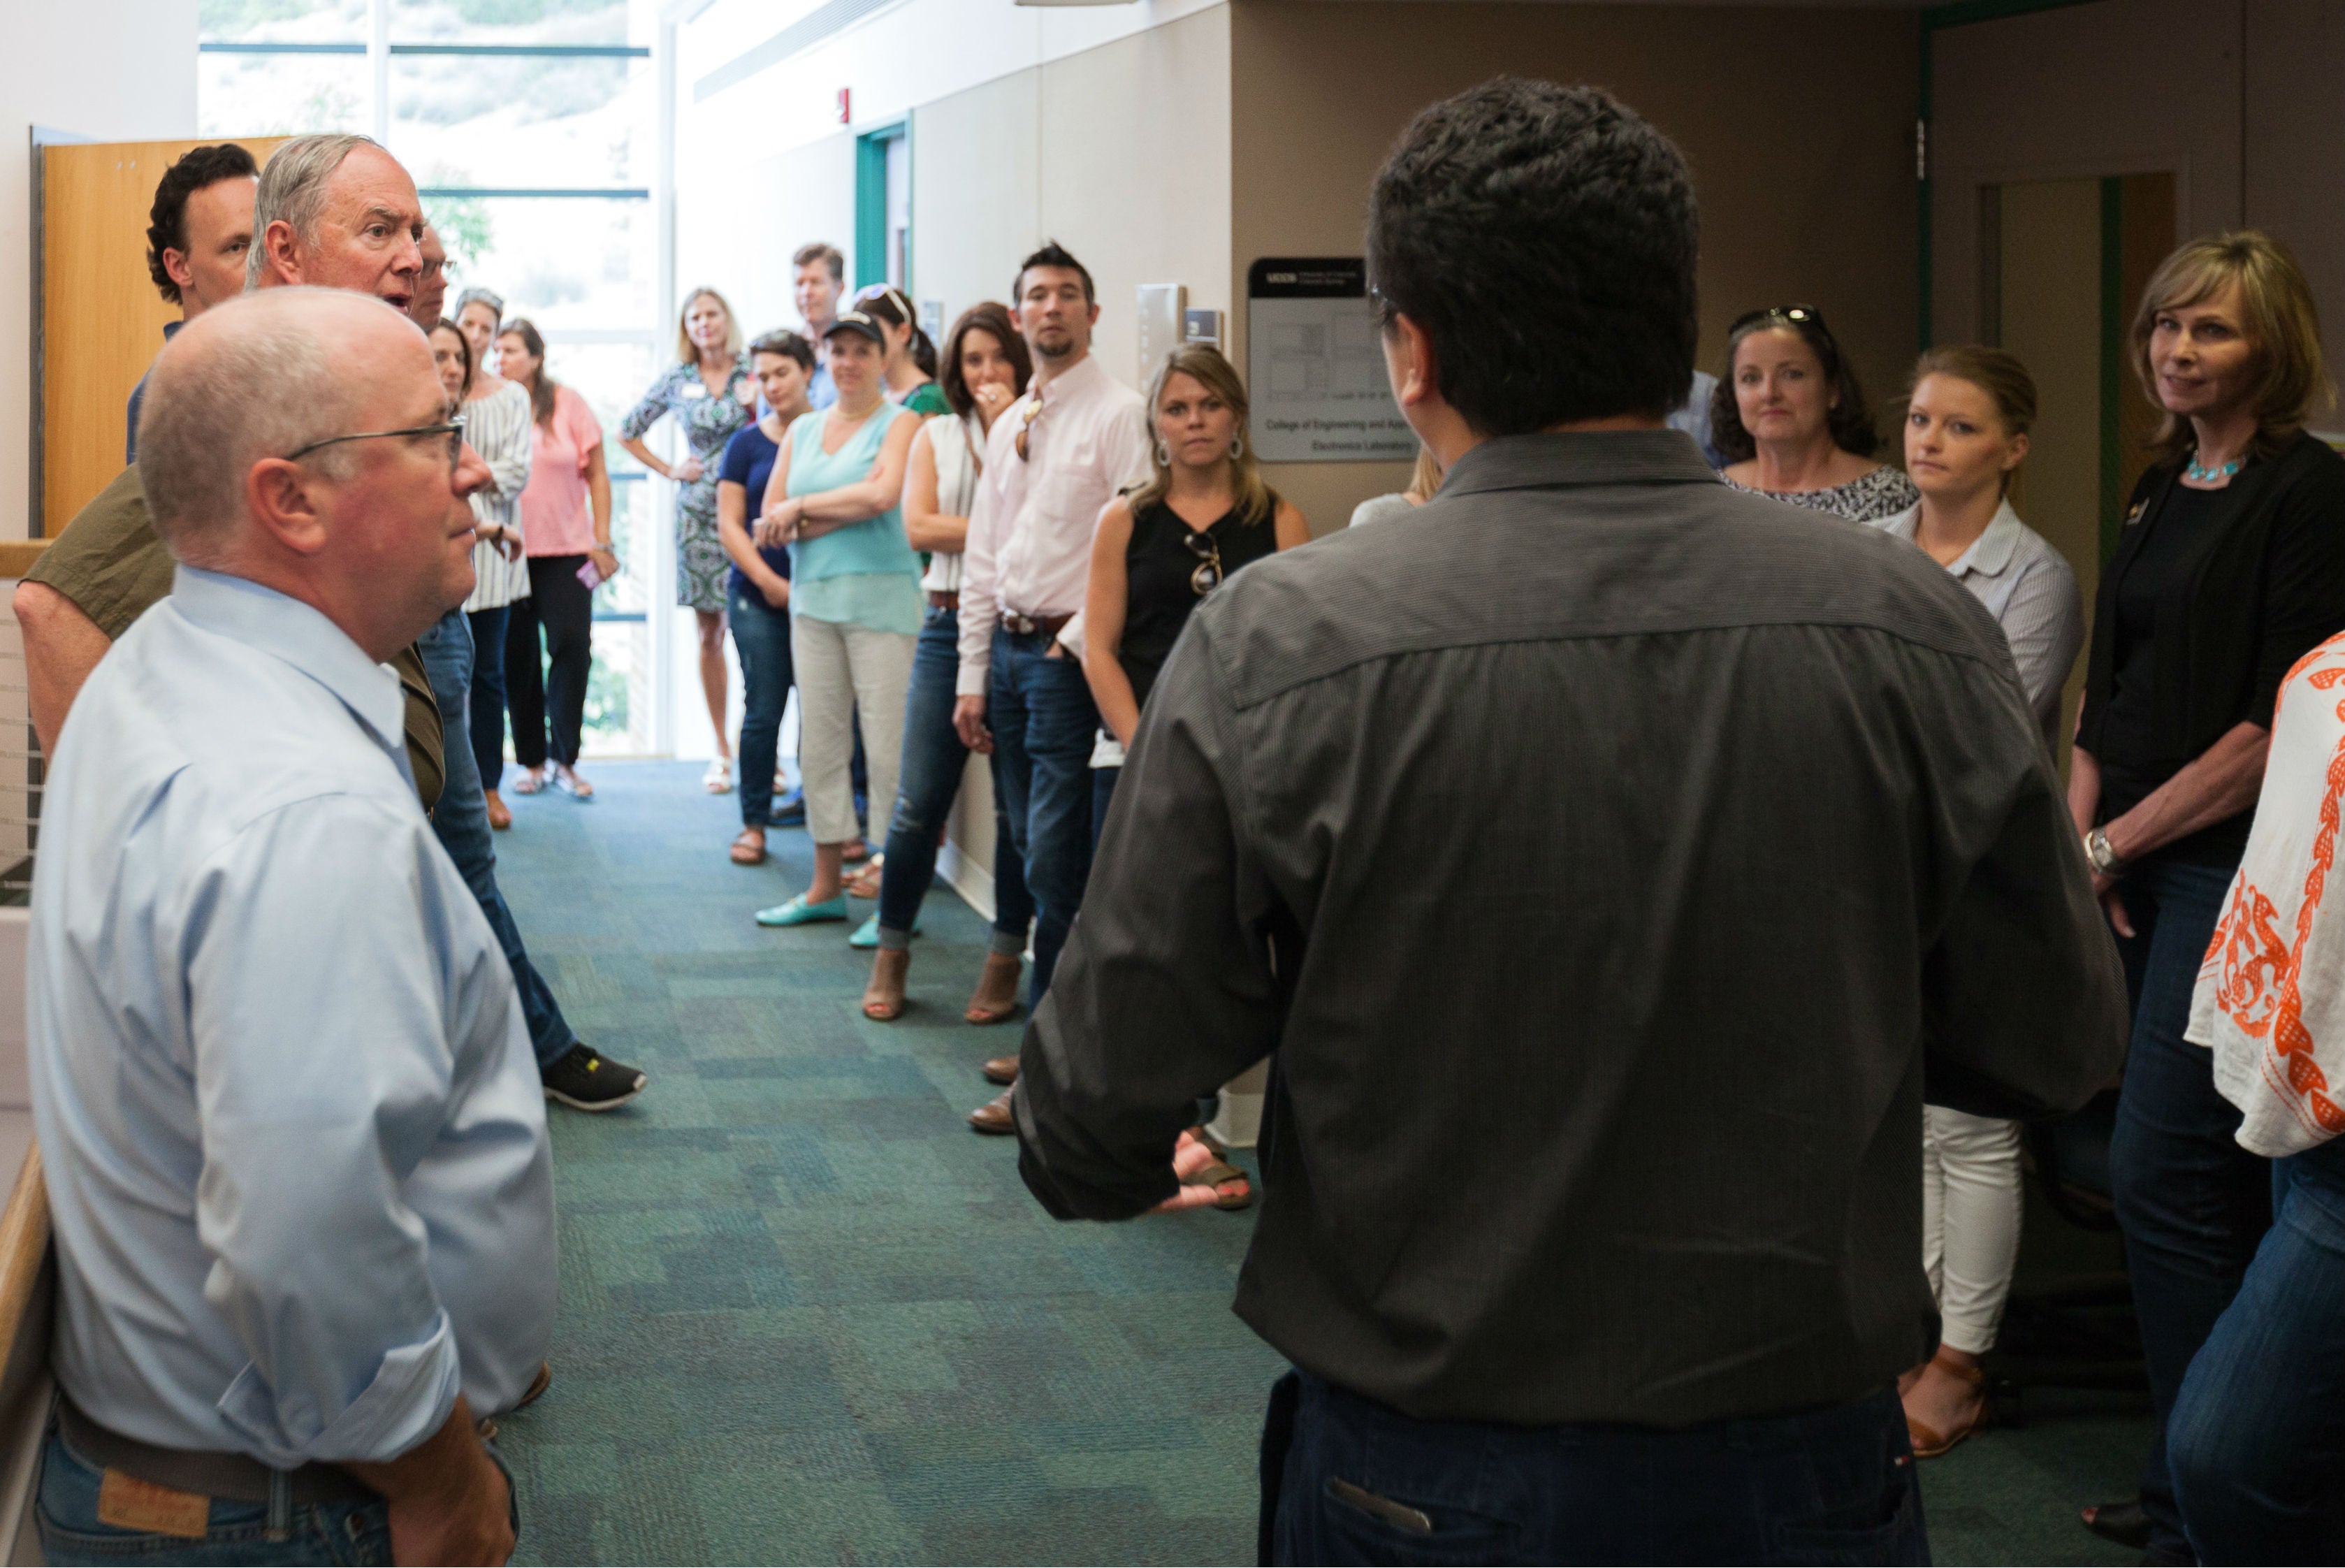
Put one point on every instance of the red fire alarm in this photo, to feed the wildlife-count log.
(842, 106)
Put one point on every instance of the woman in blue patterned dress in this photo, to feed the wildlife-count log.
(712, 395)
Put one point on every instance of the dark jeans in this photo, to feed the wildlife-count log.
(2257, 1438)
(549, 708)
(1039, 710)
(1345, 1479)
(487, 700)
(462, 820)
(761, 636)
(2192, 1204)
(934, 761)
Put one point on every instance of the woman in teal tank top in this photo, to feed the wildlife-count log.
(836, 499)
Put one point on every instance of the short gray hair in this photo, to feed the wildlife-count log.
(293, 190)
(265, 378)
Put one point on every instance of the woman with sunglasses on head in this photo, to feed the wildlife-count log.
(836, 499)
(497, 426)
(565, 523)
(1790, 419)
(911, 357)
(986, 366)
(710, 394)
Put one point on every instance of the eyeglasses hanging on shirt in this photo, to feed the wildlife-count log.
(1027, 414)
(1208, 574)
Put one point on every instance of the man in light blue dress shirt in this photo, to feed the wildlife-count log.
(290, 1117)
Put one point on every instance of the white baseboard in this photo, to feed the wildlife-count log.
(972, 882)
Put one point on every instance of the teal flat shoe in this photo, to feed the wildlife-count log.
(867, 935)
(797, 911)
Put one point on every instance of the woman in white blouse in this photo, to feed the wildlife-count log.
(497, 426)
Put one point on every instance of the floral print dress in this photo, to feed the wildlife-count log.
(708, 420)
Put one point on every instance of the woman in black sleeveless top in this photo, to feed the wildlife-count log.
(1163, 545)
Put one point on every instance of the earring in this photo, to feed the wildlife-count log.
(1237, 448)
(1164, 455)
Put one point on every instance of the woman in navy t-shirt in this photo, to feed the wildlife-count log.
(758, 589)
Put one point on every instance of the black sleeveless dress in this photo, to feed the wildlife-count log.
(1163, 573)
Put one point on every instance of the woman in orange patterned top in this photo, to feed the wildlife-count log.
(2255, 1437)
(2230, 569)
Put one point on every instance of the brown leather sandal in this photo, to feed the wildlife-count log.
(750, 847)
(1927, 1440)
(1219, 1172)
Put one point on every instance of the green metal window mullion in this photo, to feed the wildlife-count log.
(2112, 357)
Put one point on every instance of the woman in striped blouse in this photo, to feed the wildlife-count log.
(497, 424)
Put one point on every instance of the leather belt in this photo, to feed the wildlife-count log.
(1043, 626)
(941, 600)
(237, 1476)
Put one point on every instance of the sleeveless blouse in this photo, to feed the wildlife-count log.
(1160, 589)
(865, 574)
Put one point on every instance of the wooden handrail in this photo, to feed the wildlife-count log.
(17, 555)
(24, 1244)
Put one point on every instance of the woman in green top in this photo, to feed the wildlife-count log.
(835, 499)
(911, 368)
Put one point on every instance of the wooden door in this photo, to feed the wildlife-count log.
(101, 319)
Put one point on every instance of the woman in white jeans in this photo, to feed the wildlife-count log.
(836, 500)
(1965, 431)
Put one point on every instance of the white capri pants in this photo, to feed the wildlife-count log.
(843, 669)
(1970, 1221)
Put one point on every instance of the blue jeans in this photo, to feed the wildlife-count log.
(934, 760)
(761, 635)
(1039, 710)
(488, 702)
(1345, 1479)
(71, 1532)
(2257, 1438)
(462, 820)
(2192, 1204)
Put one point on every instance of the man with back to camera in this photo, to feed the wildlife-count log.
(1053, 461)
(339, 211)
(197, 234)
(294, 1143)
(1614, 1255)
(818, 280)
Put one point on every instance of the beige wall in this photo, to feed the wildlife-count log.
(139, 85)
(1807, 194)
(738, 225)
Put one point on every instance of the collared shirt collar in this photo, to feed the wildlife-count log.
(1072, 381)
(1547, 460)
(286, 629)
(1989, 555)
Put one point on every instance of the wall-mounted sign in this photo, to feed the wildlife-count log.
(1314, 366)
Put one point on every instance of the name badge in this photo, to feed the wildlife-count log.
(695, 389)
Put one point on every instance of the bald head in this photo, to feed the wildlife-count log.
(338, 212)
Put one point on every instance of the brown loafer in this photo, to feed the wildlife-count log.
(499, 814)
(537, 1386)
(994, 1116)
(1001, 1070)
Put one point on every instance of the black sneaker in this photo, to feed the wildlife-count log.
(585, 1082)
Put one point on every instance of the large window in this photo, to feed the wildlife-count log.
(529, 128)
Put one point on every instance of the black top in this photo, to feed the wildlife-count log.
(2247, 582)
(1758, 795)
(1161, 579)
(2179, 529)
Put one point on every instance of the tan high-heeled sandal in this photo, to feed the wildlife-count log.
(1927, 1440)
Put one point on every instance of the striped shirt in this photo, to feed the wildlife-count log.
(498, 428)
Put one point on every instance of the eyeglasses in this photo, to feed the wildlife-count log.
(1026, 418)
(453, 429)
(1208, 574)
(1788, 315)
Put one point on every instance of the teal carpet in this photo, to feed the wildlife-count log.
(807, 1316)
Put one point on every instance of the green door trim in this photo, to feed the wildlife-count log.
(871, 202)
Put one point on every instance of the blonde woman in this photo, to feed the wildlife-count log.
(712, 394)
(1421, 483)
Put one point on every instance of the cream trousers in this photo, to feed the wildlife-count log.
(844, 672)
(1970, 1221)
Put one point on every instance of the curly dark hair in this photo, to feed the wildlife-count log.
(1544, 237)
(166, 220)
(1847, 417)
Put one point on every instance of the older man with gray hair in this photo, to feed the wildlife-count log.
(294, 1140)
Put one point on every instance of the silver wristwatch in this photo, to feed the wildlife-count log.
(2096, 849)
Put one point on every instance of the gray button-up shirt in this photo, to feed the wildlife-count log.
(1611, 860)
(2026, 586)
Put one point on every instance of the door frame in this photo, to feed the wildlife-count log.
(871, 202)
(35, 499)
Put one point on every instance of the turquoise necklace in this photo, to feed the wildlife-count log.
(2199, 473)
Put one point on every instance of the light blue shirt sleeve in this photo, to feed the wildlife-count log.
(322, 1083)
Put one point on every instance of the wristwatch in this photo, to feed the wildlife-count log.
(2105, 859)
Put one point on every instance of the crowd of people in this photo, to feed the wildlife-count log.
(1581, 832)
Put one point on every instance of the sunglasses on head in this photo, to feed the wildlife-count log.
(887, 292)
(1781, 315)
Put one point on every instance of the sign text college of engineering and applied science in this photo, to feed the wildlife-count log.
(1314, 368)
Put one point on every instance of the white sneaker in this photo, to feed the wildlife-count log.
(718, 779)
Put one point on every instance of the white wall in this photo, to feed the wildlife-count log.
(111, 70)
